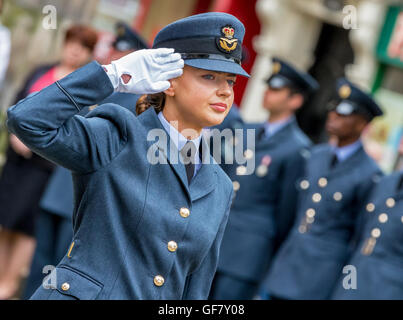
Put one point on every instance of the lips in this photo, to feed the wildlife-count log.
(220, 107)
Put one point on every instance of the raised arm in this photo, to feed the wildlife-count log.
(47, 122)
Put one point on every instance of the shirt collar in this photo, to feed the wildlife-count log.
(271, 128)
(345, 152)
(177, 137)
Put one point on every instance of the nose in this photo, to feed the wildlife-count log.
(224, 89)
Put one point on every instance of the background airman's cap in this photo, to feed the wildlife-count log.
(354, 100)
(285, 75)
(211, 41)
(128, 39)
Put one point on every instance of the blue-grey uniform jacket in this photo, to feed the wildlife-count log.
(140, 230)
(263, 207)
(378, 259)
(312, 258)
(58, 195)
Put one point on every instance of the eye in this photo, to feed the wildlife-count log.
(208, 77)
(231, 82)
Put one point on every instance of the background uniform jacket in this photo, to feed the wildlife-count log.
(378, 258)
(126, 209)
(312, 258)
(263, 206)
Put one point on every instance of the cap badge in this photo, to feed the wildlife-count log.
(228, 43)
(344, 91)
(276, 67)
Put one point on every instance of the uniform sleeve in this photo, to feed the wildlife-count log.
(198, 284)
(285, 212)
(47, 121)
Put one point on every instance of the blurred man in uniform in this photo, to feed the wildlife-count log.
(263, 207)
(377, 260)
(337, 181)
(55, 231)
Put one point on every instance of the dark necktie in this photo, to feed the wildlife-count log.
(334, 161)
(188, 153)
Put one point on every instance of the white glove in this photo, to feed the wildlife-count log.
(148, 70)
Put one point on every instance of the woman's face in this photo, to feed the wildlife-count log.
(202, 98)
(75, 55)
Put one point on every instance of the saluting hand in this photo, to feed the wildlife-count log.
(145, 71)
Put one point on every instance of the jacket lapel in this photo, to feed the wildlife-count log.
(167, 148)
(205, 179)
(350, 162)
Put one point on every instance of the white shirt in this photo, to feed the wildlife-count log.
(180, 140)
(5, 46)
(345, 152)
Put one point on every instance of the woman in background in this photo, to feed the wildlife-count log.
(25, 174)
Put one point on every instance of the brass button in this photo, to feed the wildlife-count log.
(248, 154)
(310, 220)
(172, 246)
(390, 202)
(159, 281)
(316, 197)
(236, 185)
(302, 229)
(322, 182)
(184, 212)
(337, 196)
(310, 213)
(304, 184)
(370, 207)
(402, 219)
(241, 170)
(376, 233)
(383, 217)
(65, 286)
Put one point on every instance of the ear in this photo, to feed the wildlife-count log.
(296, 101)
(171, 91)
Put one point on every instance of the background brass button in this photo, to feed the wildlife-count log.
(248, 154)
(65, 286)
(383, 218)
(316, 197)
(370, 207)
(184, 212)
(310, 213)
(376, 233)
(172, 246)
(390, 202)
(236, 185)
(322, 182)
(337, 196)
(159, 281)
(304, 184)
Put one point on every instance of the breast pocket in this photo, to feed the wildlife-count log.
(73, 285)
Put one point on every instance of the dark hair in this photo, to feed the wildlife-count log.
(85, 35)
(157, 101)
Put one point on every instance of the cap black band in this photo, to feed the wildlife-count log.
(186, 56)
(207, 45)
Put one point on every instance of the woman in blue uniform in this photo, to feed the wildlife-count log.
(143, 229)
